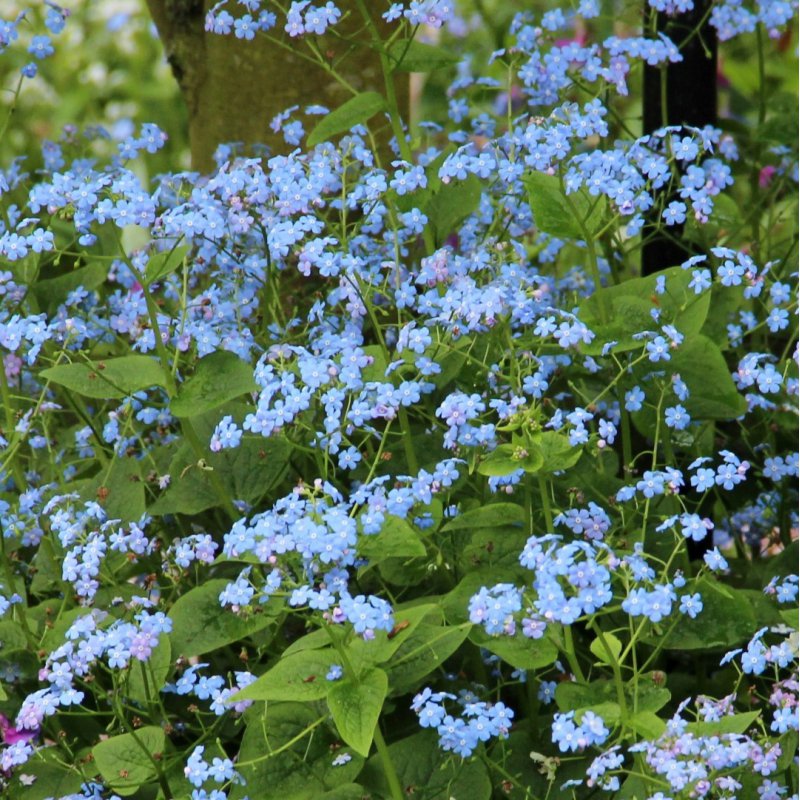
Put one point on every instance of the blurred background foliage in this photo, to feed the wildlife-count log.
(109, 70)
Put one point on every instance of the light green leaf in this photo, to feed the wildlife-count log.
(112, 378)
(356, 110)
(300, 676)
(164, 263)
(553, 213)
(519, 652)
(736, 723)
(218, 377)
(356, 707)
(556, 452)
(123, 761)
(647, 724)
(507, 459)
(396, 539)
(598, 648)
(409, 55)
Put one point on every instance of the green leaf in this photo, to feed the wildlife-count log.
(248, 472)
(425, 771)
(506, 459)
(647, 724)
(356, 706)
(53, 291)
(219, 377)
(712, 392)
(120, 491)
(423, 652)
(124, 764)
(364, 654)
(553, 212)
(164, 263)
(519, 652)
(112, 378)
(200, 624)
(409, 55)
(598, 648)
(736, 723)
(157, 669)
(629, 305)
(300, 676)
(451, 203)
(494, 515)
(556, 451)
(356, 110)
(727, 619)
(303, 770)
(396, 539)
(52, 779)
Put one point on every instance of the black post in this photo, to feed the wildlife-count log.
(691, 88)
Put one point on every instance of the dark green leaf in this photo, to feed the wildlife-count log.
(125, 764)
(303, 769)
(356, 110)
(113, 378)
(54, 291)
(494, 515)
(629, 304)
(247, 473)
(219, 377)
(423, 652)
(727, 619)
(451, 203)
(425, 771)
(52, 779)
(356, 705)
(120, 490)
(712, 392)
(146, 679)
(200, 624)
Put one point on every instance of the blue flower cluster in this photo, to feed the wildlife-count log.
(477, 721)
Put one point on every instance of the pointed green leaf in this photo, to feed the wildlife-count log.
(219, 377)
(123, 761)
(200, 625)
(112, 378)
(300, 676)
(164, 263)
(356, 110)
(409, 55)
(356, 706)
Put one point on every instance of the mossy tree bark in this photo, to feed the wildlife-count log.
(233, 88)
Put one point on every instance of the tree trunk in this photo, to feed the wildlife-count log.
(233, 88)
(691, 99)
